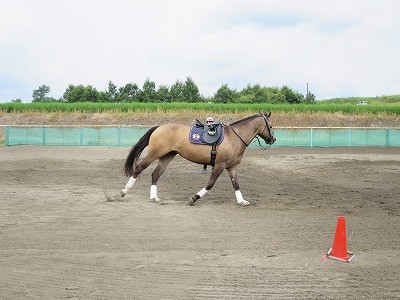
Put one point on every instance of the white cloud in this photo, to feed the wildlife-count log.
(342, 48)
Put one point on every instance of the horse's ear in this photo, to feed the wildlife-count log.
(269, 114)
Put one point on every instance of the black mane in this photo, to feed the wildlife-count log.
(244, 120)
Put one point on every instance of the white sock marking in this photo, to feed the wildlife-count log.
(202, 192)
(153, 192)
(129, 185)
(239, 196)
(240, 200)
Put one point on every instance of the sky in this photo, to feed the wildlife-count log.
(341, 48)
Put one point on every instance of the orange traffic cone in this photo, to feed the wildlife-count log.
(339, 247)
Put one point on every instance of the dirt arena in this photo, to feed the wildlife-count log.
(61, 239)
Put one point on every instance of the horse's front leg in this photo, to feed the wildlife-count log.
(239, 197)
(218, 169)
(162, 165)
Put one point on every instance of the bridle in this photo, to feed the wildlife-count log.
(267, 126)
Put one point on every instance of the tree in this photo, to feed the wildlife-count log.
(103, 96)
(277, 97)
(225, 95)
(292, 96)
(176, 92)
(247, 95)
(310, 98)
(112, 91)
(40, 94)
(186, 91)
(148, 93)
(90, 94)
(81, 93)
(128, 93)
(74, 93)
(273, 94)
(163, 94)
(190, 91)
(259, 94)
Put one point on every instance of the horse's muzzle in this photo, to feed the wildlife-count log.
(271, 141)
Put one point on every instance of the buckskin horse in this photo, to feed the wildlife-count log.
(168, 140)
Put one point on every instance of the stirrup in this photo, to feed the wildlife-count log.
(211, 132)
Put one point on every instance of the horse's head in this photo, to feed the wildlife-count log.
(267, 134)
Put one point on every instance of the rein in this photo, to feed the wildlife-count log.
(261, 146)
(240, 137)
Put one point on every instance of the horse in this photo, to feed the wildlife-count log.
(164, 142)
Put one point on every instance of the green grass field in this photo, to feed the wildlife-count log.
(384, 104)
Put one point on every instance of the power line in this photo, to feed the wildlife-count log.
(354, 84)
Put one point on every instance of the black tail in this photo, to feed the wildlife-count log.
(137, 150)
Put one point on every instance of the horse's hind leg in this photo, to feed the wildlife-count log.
(162, 165)
(138, 169)
(214, 176)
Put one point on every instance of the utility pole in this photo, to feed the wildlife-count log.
(307, 88)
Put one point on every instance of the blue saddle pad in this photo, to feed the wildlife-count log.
(199, 135)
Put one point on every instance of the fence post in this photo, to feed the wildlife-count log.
(7, 136)
(350, 138)
(44, 136)
(387, 137)
(311, 137)
(81, 137)
(119, 136)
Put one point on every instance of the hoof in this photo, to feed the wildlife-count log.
(156, 200)
(244, 203)
(123, 193)
(193, 199)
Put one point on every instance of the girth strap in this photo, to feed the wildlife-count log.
(213, 155)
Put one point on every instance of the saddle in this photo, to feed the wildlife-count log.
(212, 135)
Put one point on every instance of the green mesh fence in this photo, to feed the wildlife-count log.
(128, 136)
(69, 136)
(336, 137)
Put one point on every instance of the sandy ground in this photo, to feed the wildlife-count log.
(61, 239)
